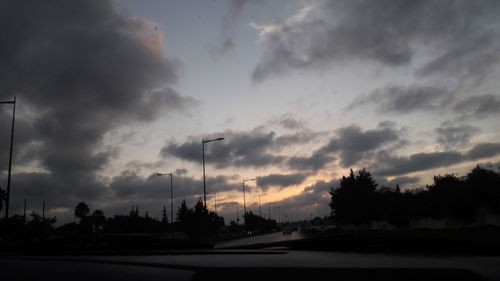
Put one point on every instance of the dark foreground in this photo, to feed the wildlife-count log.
(252, 265)
(473, 241)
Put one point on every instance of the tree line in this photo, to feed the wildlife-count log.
(359, 200)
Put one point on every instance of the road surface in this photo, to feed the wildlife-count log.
(260, 239)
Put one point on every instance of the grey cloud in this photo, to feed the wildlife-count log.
(138, 165)
(387, 165)
(460, 38)
(478, 106)
(130, 186)
(181, 171)
(483, 150)
(23, 139)
(280, 180)
(401, 100)
(241, 149)
(57, 193)
(290, 123)
(314, 162)
(451, 135)
(352, 144)
(83, 70)
(474, 57)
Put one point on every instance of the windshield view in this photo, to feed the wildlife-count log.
(317, 128)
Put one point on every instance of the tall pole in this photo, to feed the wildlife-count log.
(237, 213)
(43, 210)
(171, 174)
(244, 201)
(171, 197)
(203, 141)
(204, 184)
(215, 196)
(260, 207)
(10, 156)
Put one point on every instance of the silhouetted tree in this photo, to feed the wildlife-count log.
(164, 218)
(353, 201)
(98, 219)
(184, 214)
(486, 185)
(258, 224)
(449, 197)
(81, 211)
(3, 198)
(198, 222)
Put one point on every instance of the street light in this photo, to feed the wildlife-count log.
(237, 213)
(171, 194)
(10, 155)
(260, 206)
(203, 141)
(244, 201)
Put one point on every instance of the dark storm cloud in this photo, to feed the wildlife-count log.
(452, 135)
(314, 162)
(478, 106)
(398, 99)
(83, 70)
(459, 38)
(129, 185)
(483, 150)
(56, 192)
(23, 138)
(387, 165)
(280, 180)
(241, 149)
(352, 143)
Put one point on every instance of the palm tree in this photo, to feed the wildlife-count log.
(81, 210)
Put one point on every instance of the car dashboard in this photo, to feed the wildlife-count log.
(256, 265)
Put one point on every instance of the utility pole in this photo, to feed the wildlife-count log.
(7, 202)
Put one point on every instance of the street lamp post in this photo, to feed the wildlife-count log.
(244, 201)
(237, 214)
(260, 206)
(203, 141)
(10, 155)
(171, 194)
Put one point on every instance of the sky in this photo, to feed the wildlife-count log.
(109, 93)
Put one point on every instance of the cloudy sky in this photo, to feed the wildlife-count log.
(111, 92)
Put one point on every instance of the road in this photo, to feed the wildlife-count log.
(260, 239)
